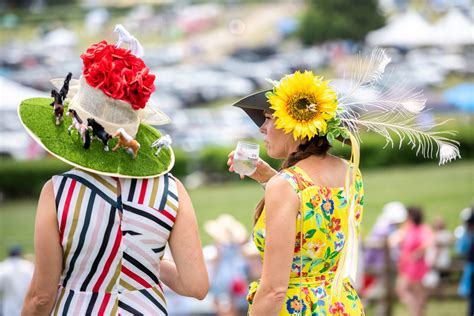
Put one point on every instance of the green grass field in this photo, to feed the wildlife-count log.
(442, 191)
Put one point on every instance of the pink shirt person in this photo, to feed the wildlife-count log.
(415, 240)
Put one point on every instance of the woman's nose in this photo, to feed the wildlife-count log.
(263, 128)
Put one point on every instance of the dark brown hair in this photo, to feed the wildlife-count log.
(415, 214)
(317, 146)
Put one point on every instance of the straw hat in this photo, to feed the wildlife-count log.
(225, 229)
(394, 212)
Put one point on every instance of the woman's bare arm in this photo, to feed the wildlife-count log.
(42, 292)
(281, 207)
(187, 275)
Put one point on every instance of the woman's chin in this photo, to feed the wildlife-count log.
(274, 155)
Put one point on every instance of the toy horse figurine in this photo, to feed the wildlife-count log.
(127, 141)
(125, 37)
(163, 141)
(98, 131)
(81, 128)
(59, 98)
(65, 88)
(58, 107)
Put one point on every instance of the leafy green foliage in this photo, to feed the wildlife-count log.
(327, 20)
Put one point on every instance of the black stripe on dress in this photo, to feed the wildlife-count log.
(82, 237)
(102, 248)
(130, 232)
(131, 193)
(147, 215)
(157, 250)
(174, 196)
(68, 302)
(93, 188)
(128, 308)
(90, 307)
(60, 192)
(164, 196)
(153, 300)
(140, 267)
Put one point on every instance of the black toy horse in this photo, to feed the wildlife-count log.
(98, 131)
(58, 106)
(65, 88)
(59, 98)
(81, 128)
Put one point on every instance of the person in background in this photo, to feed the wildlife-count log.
(465, 247)
(229, 281)
(413, 239)
(388, 222)
(15, 276)
(438, 255)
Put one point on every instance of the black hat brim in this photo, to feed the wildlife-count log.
(255, 105)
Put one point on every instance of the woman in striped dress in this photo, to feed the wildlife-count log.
(102, 228)
(102, 238)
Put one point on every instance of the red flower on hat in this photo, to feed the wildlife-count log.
(118, 73)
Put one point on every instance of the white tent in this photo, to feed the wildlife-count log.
(60, 37)
(12, 93)
(408, 29)
(14, 139)
(454, 29)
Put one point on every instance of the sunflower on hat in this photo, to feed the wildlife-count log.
(303, 104)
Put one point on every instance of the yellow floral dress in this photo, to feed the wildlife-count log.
(325, 214)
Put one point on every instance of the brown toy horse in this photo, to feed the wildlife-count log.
(127, 141)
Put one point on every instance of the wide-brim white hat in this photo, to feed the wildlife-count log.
(226, 229)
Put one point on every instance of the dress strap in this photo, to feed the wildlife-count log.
(296, 178)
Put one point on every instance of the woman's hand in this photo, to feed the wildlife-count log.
(263, 173)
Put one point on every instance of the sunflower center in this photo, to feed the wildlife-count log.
(302, 109)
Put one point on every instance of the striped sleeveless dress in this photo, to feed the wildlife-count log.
(112, 242)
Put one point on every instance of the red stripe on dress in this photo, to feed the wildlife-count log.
(136, 277)
(168, 215)
(66, 209)
(113, 253)
(103, 306)
(143, 191)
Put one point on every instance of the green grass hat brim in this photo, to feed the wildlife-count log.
(38, 118)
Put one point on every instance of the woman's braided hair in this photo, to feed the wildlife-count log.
(317, 146)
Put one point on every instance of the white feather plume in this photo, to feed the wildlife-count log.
(448, 152)
(393, 112)
(368, 70)
(427, 142)
(398, 98)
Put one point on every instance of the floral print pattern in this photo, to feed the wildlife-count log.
(318, 247)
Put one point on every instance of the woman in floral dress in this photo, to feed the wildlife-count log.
(303, 224)
(307, 226)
